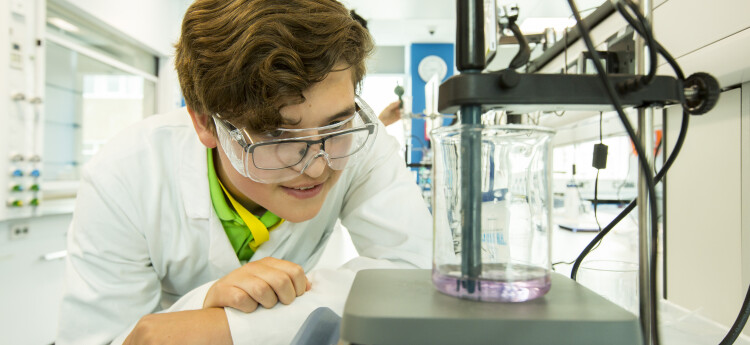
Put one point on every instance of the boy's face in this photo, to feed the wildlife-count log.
(294, 200)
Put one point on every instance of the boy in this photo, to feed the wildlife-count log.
(246, 192)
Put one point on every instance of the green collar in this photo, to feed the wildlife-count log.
(223, 210)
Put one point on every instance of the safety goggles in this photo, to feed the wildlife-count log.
(286, 153)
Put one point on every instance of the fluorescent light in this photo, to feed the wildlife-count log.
(63, 24)
(537, 25)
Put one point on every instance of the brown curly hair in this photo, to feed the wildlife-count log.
(245, 60)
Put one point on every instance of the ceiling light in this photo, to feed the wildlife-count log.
(537, 25)
(63, 24)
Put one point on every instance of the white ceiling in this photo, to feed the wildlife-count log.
(401, 22)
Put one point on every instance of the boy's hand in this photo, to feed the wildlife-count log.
(205, 326)
(265, 282)
(391, 113)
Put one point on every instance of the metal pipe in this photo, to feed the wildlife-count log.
(470, 35)
(646, 130)
(471, 202)
(470, 59)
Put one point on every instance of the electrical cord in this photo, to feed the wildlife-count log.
(678, 145)
(739, 323)
(647, 173)
(638, 27)
(522, 57)
(670, 160)
(596, 181)
(644, 30)
(744, 313)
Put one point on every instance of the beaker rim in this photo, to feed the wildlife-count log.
(505, 127)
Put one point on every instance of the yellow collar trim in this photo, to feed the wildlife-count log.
(259, 231)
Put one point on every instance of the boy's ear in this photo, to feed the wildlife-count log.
(201, 124)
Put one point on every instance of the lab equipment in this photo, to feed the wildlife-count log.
(22, 90)
(286, 153)
(321, 327)
(402, 307)
(615, 280)
(514, 263)
(399, 91)
(470, 94)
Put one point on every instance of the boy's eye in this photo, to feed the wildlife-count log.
(275, 134)
(341, 121)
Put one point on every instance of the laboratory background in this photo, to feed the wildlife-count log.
(75, 72)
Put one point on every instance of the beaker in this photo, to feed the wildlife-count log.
(515, 212)
(614, 280)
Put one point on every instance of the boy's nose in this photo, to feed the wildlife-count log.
(316, 167)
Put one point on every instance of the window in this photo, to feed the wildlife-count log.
(96, 84)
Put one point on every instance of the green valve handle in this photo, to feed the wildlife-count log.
(15, 203)
(399, 91)
(34, 202)
(34, 187)
(16, 188)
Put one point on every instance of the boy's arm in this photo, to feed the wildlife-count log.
(204, 326)
(278, 325)
(109, 281)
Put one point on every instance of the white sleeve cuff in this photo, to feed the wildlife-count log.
(192, 300)
(279, 325)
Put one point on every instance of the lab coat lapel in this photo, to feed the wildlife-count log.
(194, 179)
(198, 208)
(221, 255)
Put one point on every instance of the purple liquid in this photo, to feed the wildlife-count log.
(493, 285)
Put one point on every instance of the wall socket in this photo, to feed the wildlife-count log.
(18, 231)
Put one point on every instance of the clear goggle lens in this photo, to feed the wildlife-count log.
(340, 145)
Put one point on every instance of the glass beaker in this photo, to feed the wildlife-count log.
(614, 280)
(515, 212)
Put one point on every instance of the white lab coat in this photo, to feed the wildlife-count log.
(144, 232)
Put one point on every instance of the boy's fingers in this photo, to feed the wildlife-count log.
(259, 290)
(294, 271)
(240, 300)
(280, 282)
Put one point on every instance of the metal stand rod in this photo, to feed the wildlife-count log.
(646, 130)
(471, 202)
(470, 59)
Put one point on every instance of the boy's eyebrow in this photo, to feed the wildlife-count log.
(346, 112)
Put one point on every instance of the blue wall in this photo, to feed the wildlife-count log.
(418, 52)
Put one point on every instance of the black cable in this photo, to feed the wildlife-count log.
(670, 160)
(659, 48)
(678, 145)
(522, 57)
(596, 181)
(647, 173)
(596, 199)
(644, 30)
(739, 323)
(742, 317)
(562, 262)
